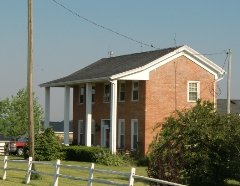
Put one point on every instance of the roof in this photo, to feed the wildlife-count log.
(112, 67)
(58, 126)
(234, 106)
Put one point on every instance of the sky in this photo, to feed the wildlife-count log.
(65, 43)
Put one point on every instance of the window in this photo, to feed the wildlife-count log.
(93, 93)
(81, 94)
(193, 91)
(81, 133)
(121, 133)
(122, 91)
(93, 133)
(135, 90)
(134, 134)
(106, 96)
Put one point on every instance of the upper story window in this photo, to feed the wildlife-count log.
(122, 90)
(135, 90)
(193, 91)
(81, 94)
(106, 96)
(93, 93)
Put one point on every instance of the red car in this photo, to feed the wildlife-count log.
(15, 147)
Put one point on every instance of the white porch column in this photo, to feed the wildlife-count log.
(47, 107)
(88, 114)
(113, 117)
(66, 114)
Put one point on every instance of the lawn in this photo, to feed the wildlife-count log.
(17, 177)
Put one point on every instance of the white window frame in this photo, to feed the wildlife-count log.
(135, 89)
(197, 91)
(121, 133)
(133, 130)
(122, 91)
(106, 96)
(81, 131)
(81, 94)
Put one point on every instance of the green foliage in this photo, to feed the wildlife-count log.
(197, 147)
(94, 154)
(109, 159)
(14, 117)
(82, 153)
(47, 146)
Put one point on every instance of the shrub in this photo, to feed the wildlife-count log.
(106, 158)
(82, 153)
(47, 146)
(197, 147)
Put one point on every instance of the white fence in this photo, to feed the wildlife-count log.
(91, 170)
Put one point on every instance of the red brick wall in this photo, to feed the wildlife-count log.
(167, 91)
(125, 110)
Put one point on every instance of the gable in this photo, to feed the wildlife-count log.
(142, 73)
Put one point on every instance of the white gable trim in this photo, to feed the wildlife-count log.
(142, 73)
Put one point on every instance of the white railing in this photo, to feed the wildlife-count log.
(91, 170)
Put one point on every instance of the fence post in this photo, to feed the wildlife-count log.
(131, 177)
(29, 171)
(56, 174)
(90, 176)
(5, 168)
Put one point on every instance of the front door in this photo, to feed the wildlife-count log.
(105, 133)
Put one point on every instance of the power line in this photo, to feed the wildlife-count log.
(103, 27)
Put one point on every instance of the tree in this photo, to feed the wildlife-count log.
(13, 115)
(197, 147)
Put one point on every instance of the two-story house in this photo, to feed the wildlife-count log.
(118, 100)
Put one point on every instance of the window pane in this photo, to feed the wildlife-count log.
(135, 85)
(193, 96)
(122, 96)
(122, 141)
(135, 142)
(122, 87)
(135, 90)
(193, 87)
(93, 94)
(135, 95)
(106, 97)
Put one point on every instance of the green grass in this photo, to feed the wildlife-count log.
(17, 178)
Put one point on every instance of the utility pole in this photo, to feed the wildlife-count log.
(229, 81)
(29, 82)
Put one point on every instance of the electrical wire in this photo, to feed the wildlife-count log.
(103, 27)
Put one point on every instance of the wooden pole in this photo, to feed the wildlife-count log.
(29, 82)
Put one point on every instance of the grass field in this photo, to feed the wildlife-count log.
(15, 178)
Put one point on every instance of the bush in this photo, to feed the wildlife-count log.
(197, 147)
(82, 153)
(94, 154)
(47, 146)
(106, 158)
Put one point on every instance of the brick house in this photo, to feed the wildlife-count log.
(118, 100)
